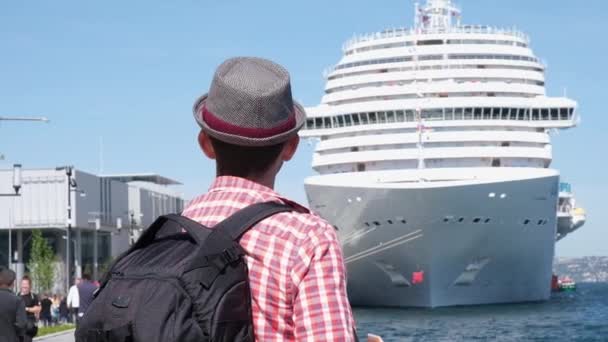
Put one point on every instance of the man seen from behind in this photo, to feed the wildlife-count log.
(249, 124)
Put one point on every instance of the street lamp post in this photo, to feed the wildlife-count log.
(16, 187)
(72, 187)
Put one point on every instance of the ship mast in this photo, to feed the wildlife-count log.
(436, 15)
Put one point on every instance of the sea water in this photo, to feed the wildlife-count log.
(569, 316)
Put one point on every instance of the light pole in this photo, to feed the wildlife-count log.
(72, 187)
(16, 187)
(16, 181)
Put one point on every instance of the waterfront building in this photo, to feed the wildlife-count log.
(103, 214)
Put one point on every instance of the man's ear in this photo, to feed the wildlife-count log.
(290, 148)
(205, 143)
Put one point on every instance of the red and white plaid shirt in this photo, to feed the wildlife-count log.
(296, 268)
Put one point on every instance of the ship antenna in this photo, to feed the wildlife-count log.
(416, 15)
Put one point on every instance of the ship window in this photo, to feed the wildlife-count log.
(390, 116)
(468, 113)
(476, 220)
(360, 167)
(554, 114)
(409, 115)
(535, 114)
(340, 120)
(458, 114)
(460, 220)
(430, 42)
(318, 122)
(545, 113)
(403, 221)
(432, 114)
(381, 117)
(487, 112)
(526, 221)
(400, 116)
(310, 123)
(495, 162)
(367, 224)
(477, 113)
(376, 223)
(540, 222)
(327, 122)
(347, 119)
(487, 220)
(446, 220)
(504, 115)
(449, 113)
(496, 113)
(563, 113)
(355, 118)
(570, 111)
(372, 117)
(364, 118)
(389, 221)
(527, 113)
(519, 114)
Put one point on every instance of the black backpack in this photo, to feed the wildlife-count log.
(170, 286)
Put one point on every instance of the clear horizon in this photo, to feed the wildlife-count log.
(128, 73)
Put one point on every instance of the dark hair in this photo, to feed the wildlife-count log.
(28, 279)
(86, 276)
(7, 276)
(242, 161)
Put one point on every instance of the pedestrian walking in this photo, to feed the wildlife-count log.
(86, 289)
(73, 301)
(12, 309)
(64, 312)
(45, 309)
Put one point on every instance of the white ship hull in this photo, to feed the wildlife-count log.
(391, 227)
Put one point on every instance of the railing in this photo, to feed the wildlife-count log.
(402, 32)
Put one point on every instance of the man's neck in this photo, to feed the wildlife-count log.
(265, 180)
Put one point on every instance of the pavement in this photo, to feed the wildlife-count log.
(65, 336)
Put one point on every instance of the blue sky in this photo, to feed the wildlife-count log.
(129, 71)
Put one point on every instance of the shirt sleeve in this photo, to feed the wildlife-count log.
(321, 308)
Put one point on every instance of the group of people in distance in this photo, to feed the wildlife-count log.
(22, 313)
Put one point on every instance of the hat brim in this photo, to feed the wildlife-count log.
(246, 141)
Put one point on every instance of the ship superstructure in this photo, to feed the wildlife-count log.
(433, 161)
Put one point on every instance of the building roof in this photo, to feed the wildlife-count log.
(142, 177)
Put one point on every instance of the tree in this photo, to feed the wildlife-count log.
(41, 263)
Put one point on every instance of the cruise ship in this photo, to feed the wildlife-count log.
(432, 159)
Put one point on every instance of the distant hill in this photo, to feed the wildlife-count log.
(583, 270)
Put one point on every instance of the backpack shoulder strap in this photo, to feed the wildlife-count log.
(240, 222)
